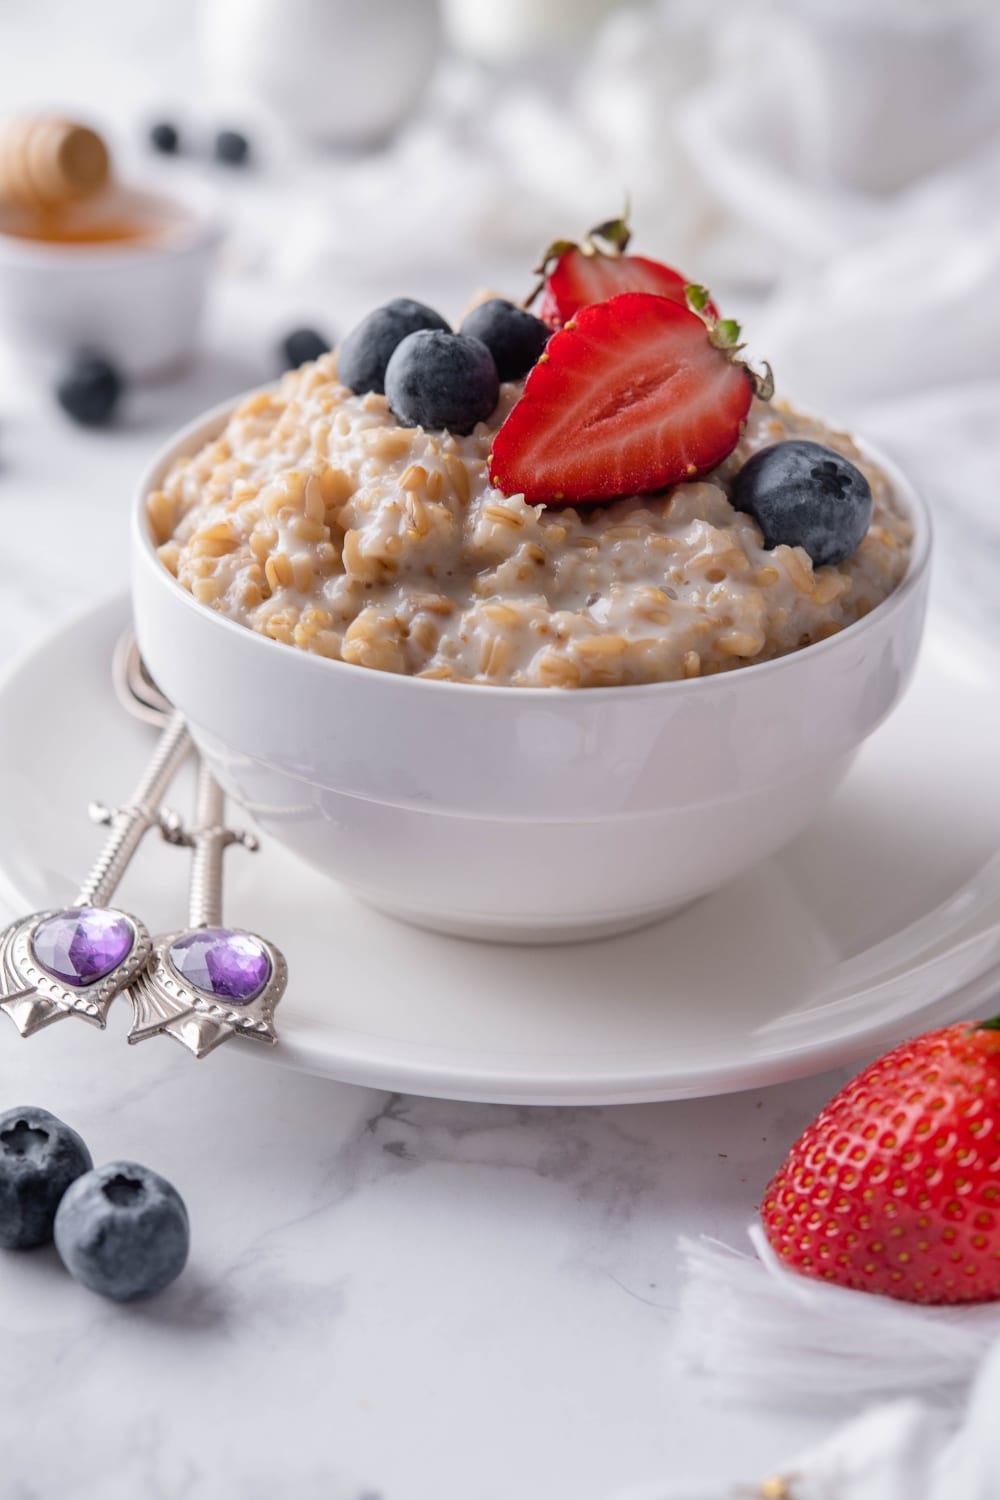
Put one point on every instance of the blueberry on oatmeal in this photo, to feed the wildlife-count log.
(302, 346)
(442, 381)
(39, 1158)
(802, 494)
(365, 353)
(515, 338)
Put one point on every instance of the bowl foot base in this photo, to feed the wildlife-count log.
(572, 930)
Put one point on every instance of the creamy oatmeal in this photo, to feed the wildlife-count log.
(318, 520)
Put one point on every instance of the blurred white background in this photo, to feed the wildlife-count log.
(842, 158)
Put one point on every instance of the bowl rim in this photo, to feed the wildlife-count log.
(197, 228)
(203, 428)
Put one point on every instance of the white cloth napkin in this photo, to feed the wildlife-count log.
(755, 141)
(760, 1335)
(900, 1450)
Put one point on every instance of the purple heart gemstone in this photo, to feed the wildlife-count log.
(82, 945)
(219, 961)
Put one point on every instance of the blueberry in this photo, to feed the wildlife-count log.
(804, 495)
(367, 349)
(165, 138)
(514, 337)
(90, 390)
(232, 147)
(442, 380)
(122, 1231)
(39, 1158)
(302, 345)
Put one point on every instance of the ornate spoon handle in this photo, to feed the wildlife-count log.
(209, 841)
(131, 822)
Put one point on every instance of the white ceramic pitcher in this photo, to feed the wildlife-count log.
(342, 72)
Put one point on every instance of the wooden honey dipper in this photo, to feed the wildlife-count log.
(46, 162)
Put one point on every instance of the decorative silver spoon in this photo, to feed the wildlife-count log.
(73, 961)
(205, 983)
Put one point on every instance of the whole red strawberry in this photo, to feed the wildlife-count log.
(895, 1187)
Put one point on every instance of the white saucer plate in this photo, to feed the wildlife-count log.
(881, 920)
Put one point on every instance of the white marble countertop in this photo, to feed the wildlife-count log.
(387, 1297)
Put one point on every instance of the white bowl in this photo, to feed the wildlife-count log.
(522, 814)
(138, 302)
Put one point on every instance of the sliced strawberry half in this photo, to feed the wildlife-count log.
(633, 395)
(578, 275)
(579, 279)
